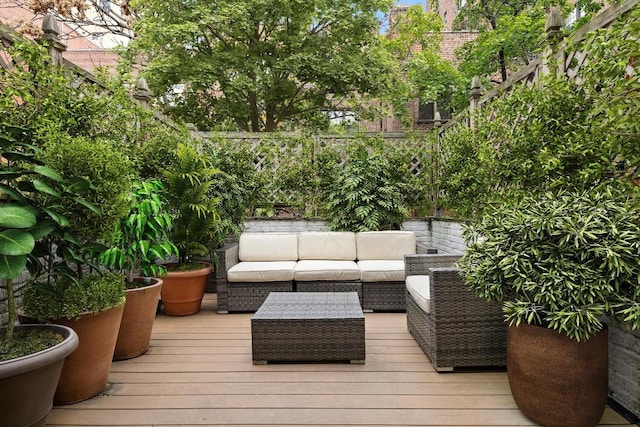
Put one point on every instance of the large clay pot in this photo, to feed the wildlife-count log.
(86, 371)
(137, 320)
(27, 384)
(556, 381)
(182, 291)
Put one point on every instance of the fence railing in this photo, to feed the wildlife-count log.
(557, 57)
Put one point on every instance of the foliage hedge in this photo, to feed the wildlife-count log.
(298, 171)
(575, 134)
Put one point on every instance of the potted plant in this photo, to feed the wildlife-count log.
(559, 263)
(63, 291)
(140, 240)
(188, 180)
(31, 356)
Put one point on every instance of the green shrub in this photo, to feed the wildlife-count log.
(561, 261)
(92, 294)
(111, 174)
(142, 237)
(189, 179)
(367, 192)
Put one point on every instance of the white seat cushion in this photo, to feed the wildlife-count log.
(268, 247)
(308, 270)
(327, 245)
(385, 244)
(267, 271)
(418, 287)
(381, 270)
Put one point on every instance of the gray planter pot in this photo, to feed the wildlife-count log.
(28, 384)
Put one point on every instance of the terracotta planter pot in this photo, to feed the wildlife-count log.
(182, 291)
(86, 371)
(556, 381)
(27, 384)
(137, 321)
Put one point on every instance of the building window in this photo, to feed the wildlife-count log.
(426, 111)
(573, 17)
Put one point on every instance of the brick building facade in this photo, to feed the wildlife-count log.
(422, 115)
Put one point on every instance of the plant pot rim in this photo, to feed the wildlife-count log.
(605, 327)
(200, 271)
(155, 281)
(35, 360)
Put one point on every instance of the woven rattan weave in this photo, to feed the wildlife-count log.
(462, 330)
(308, 326)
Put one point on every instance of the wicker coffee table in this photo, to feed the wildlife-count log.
(308, 326)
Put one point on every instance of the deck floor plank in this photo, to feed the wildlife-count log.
(199, 371)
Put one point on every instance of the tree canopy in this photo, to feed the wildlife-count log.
(260, 65)
(510, 33)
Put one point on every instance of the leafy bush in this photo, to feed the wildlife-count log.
(367, 192)
(111, 174)
(142, 237)
(189, 180)
(94, 293)
(561, 261)
(571, 134)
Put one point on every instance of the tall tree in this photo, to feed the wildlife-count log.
(510, 33)
(260, 65)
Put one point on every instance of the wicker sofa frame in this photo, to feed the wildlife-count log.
(462, 330)
(248, 296)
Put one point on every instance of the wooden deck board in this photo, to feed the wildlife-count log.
(199, 372)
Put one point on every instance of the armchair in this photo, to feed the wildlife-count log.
(453, 326)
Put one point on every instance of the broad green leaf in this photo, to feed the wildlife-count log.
(12, 266)
(42, 229)
(16, 242)
(16, 217)
(48, 172)
(45, 188)
(60, 219)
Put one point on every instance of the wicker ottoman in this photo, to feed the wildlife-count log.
(308, 326)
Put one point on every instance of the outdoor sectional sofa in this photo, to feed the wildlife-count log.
(370, 263)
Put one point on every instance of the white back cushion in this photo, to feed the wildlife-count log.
(385, 244)
(327, 245)
(268, 247)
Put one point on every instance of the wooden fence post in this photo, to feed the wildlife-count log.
(552, 61)
(142, 94)
(51, 39)
(437, 124)
(474, 101)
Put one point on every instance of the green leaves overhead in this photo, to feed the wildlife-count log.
(260, 65)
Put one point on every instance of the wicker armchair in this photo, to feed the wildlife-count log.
(461, 329)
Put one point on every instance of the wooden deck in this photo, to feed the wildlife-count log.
(198, 371)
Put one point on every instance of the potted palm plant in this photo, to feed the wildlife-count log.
(559, 263)
(188, 181)
(31, 356)
(140, 240)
